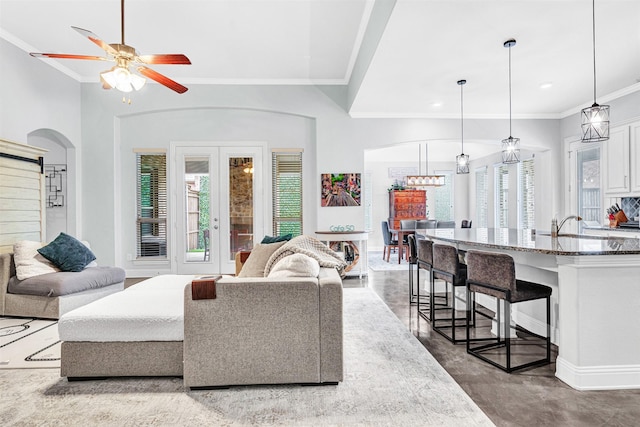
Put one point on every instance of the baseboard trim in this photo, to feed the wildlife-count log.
(619, 377)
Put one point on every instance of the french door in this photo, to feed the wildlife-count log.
(217, 205)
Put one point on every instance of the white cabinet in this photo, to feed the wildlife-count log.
(634, 152)
(615, 161)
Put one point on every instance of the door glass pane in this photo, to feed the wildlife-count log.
(589, 185)
(197, 203)
(240, 204)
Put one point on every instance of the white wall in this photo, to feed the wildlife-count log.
(37, 101)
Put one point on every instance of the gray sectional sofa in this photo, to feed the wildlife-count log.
(50, 295)
(256, 331)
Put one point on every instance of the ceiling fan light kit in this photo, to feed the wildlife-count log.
(511, 145)
(120, 77)
(462, 160)
(595, 119)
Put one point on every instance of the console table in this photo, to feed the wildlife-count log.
(349, 238)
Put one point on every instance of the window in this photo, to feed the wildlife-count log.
(287, 192)
(589, 184)
(526, 201)
(151, 224)
(502, 196)
(444, 198)
(482, 193)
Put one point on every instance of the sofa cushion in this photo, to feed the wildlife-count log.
(28, 262)
(283, 238)
(296, 265)
(67, 253)
(65, 283)
(260, 254)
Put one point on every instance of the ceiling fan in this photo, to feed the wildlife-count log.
(119, 76)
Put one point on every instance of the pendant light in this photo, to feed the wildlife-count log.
(595, 119)
(462, 160)
(420, 181)
(511, 145)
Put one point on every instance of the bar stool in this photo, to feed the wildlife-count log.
(494, 274)
(447, 267)
(425, 262)
(413, 260)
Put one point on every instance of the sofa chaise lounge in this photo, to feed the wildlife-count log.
(256, 331)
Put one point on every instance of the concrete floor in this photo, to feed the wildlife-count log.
(533, 397)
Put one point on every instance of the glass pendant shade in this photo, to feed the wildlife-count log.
(417, 181)
(511, 145)
(462, 163)
(122, 79)
(462, 160)
(511, 150)
(595, 119)
(595, 123)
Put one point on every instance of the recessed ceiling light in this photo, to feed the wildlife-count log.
(436, 104)
(546, 85)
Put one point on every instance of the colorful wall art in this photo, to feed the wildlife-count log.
(340, 189)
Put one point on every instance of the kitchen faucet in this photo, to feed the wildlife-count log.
(576, 217)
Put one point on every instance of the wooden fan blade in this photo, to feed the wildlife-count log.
(67, 56)
(96, 40)
(163, 80)
(169, 58)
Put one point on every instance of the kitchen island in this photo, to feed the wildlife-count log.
(595, 304)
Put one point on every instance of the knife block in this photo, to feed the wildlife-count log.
(618, 218)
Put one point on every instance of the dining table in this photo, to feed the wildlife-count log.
(400, 233)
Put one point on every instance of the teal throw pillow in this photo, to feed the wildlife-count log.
(276, 239)
(67, 253)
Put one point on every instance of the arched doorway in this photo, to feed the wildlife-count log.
(60, 182)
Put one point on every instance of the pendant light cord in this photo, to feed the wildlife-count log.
(594, 49)
(510, 134)
(461, 118)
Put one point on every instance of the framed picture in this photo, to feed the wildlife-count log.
(340, 189)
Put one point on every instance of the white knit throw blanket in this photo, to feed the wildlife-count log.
(309, 246)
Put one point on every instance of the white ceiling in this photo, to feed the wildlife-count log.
(426, 46)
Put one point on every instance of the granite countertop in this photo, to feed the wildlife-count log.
(540, 242)
(627, 229)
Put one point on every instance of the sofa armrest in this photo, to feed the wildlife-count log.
(331, 326)
(256, 331)
(6, 261)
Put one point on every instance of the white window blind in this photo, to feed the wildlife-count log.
(287, 192)
(482, 193)
(151, 223)
(502, 196)
(444, 198)
(588, 185)
(526, 194)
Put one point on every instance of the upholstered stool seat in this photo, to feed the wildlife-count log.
(447, 267)
(493, 274)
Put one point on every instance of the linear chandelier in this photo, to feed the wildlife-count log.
(511, 145)
(419, 181)
(462, 160)
(595, 119)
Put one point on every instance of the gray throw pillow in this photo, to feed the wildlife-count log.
(67, 253)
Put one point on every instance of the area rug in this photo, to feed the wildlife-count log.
(390, 380)
(29, 343)
(376, 263)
